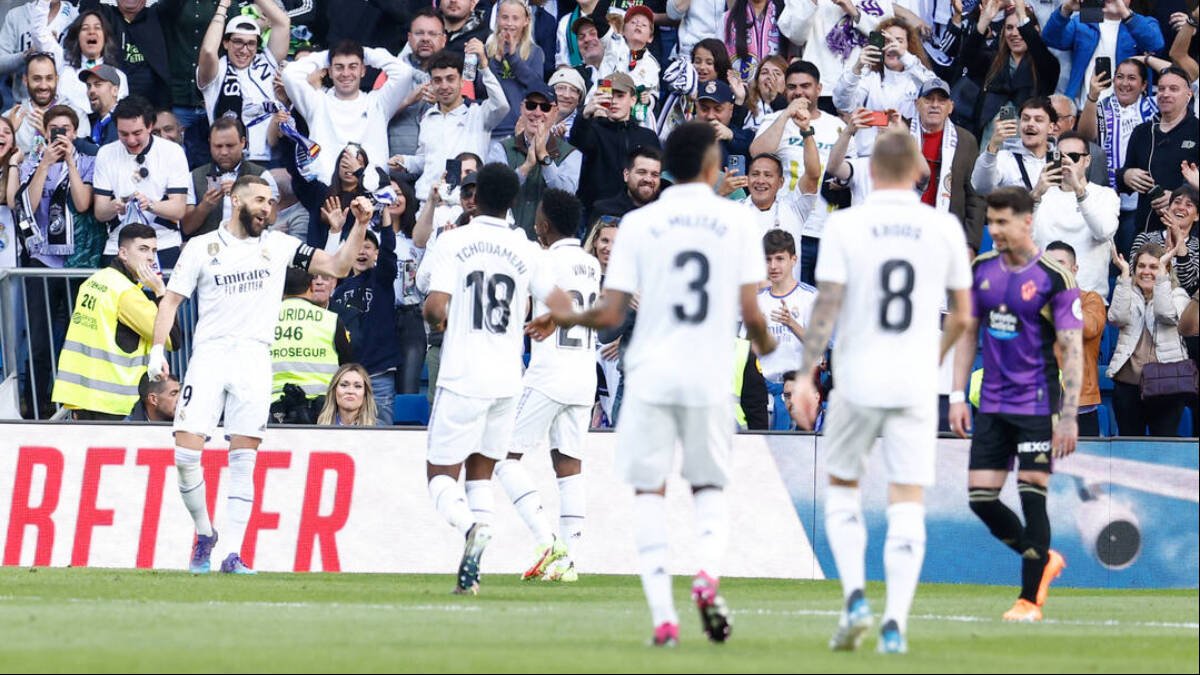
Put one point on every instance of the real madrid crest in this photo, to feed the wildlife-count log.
(265, 254)
(213, 248)
(711, 87)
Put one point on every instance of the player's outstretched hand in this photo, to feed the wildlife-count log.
(960, 419)
(157, 367)
(540, 327)
(1066, 435)
(805, 403)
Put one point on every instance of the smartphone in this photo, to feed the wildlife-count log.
(736, 163)
(1007, 113)
(875, 39)
(1154, 193)
(55, 133)
(453, 172)
(605, 87)
(878, 118)
(1091, 11)
(1055, 162)
(1104, 66)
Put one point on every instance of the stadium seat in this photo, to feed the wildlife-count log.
(1105, 419)
(1186, 428)
(780, 419)
(424, 373)
(411, 410)
(1108, 344)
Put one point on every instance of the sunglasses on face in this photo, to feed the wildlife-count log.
(534, 105)
(1076, 156)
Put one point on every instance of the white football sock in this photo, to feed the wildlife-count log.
(240, 498)
(191, 488)
(526, 499)
(712, 526)
(482, 500)
(572, 511)
(847, 536)
(903, 553)
(650, 531)
(450, 502)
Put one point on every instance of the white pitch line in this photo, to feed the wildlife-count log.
(950, 618)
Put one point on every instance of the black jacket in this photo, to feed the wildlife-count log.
(1016, 88)
(617, 205)
(1160, 154)
(152, 77)
(605, 146)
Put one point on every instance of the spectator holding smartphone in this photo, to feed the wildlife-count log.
(998, 168)
(1122, 34)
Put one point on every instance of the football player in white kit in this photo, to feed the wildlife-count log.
(488, 270)
(694, 260)
(238, 272)
(884, 270)
(560, 386)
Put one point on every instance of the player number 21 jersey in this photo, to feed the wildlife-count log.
(563, 366)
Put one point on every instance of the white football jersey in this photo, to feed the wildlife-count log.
(688, 254)
(238, 282)
(897, 258)
(789, 350)
(826, 130)
(563, 366)
(489, 270)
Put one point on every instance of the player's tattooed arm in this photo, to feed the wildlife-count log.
(1066, 431)
(820, 326)
(608, 312)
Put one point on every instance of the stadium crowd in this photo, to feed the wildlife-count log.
(126, 124)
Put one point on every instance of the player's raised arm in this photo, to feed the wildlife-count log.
(338, 265)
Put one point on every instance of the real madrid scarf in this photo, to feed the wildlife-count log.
(949, 143)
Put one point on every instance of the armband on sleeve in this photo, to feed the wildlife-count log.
(303, 257)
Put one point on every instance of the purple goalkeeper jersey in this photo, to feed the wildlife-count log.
(1021, 312)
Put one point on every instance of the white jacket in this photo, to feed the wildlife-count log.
(1088, 226)
(804, 22)
(1128, 312)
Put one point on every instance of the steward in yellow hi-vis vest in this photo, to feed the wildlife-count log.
(111, 328)
(310, 344)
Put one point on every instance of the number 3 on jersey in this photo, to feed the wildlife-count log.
(696, 285)
(493, 311)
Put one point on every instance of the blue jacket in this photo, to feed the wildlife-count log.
(1138, 35)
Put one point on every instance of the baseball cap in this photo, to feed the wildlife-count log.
(470, 179)
(570, 76)
(640, 10)
(581, 21)
(936, 84)
(243, 25)
(102, 71)
(622, 82)
(715, 90)
(539, 89)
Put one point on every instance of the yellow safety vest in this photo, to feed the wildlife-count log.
(94, 373)
(303, 353)
(740, 355)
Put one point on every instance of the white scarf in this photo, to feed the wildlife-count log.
(949, 143)
(1118, 124)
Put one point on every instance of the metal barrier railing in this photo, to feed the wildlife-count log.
(36, 305)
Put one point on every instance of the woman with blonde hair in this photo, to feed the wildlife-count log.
(1146, 306)
(766, 90)
(349, 401)
(515, 59)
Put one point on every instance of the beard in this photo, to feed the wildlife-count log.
(251, 228)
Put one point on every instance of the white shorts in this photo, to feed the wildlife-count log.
(647, 434)
(909, 440)
(229, 377)
(461, 426)
(538, 414)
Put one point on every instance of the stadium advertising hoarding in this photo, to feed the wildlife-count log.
(1124, 514)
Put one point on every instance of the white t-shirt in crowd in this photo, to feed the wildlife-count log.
(789, 350)
(489, 270)
(896, 258)
(117, 175)
(257, 86)
(826, 130)
(563, 366)
(239, 282)
(788, 212)
(688, 254)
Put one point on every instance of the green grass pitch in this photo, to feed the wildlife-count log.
(92, 620)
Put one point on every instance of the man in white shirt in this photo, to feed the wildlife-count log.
(885, 269)
(779, 210)
(141, 179)
(237, 273)
(345, 114)
(694, 262)
(782, 135)
(560, 386)
(242, 82)
(998, 168)
(453, 126)
(482, 275)
(1076, 211)
(786, 303)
